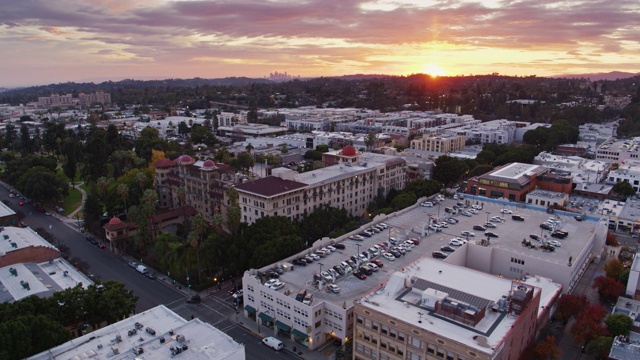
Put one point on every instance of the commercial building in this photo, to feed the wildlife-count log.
(627, 347)
(633, 284)
(352, 183)
(628, 171)
(157, 333)
(513, 181)
(7, 215)
(619, 150)
(514, 254)
(583, 171)
(439, 143)
(187, 182)
(496, 131)
(437, 310)
(56, 100)
(32, 266)
(98, 97)
(546, 198)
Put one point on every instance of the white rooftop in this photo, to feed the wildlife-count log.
(14, 238)
(515, 170)
(5, 210)
(157, 331)
(395, 300)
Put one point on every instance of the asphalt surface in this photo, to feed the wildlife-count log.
(216, 307)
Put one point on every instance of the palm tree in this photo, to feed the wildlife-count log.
(141, 177)
(198, 230)
(123, 191)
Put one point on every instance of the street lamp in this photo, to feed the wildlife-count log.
(321, 265)
(488, 213)
(358, 253)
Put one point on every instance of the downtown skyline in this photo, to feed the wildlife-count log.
(96, 40)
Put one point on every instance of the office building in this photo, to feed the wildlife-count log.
(628, 171)
(439, 143)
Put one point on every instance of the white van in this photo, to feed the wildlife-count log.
(273, 343)
(142, 269)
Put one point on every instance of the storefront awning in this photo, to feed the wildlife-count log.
(250, 309)
(283, 326)
(299, 334)
(265, 317)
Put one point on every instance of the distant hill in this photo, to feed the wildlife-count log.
(613, 75)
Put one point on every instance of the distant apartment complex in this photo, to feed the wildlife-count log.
(350, 180)
(56, 100)
(439, 143)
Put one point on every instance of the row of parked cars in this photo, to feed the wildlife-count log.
(318, 254)
(375, 229)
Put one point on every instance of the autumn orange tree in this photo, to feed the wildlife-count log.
(569, 306)
(608, 288)
(547, 349)
(614, 269)
(588, 325)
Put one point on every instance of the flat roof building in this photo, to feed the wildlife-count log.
(157, 333)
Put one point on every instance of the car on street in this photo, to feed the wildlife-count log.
(467, 233)
(388, 256)
(439, 255)
(334, 288)
(447, 248)
(21, 203)
(133, 264)
(23, 224)
(506, 211)
(195, 299)
(150, 275)
(491, 234)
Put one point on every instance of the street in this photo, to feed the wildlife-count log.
(216, 309)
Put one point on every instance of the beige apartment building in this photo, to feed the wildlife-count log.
(352, 183)
(439, 143)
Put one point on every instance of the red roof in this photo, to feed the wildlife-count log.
(164, 163)
(115, 224)
(270, 186)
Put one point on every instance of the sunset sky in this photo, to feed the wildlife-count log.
(50, 41)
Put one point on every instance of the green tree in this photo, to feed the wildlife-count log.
(42, 185)
(619, 324)
(403, 200)
(370, 140)
(449, 170)
(92, 212)
(624, 189)
(614, 269)
(234, 215)
(600, 347)
(202, 135)
(199, 227)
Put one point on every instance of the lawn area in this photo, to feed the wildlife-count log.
(72, 201)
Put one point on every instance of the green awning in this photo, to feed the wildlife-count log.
(283, 326)
(250, 309)
(265, 317)
(299, 334)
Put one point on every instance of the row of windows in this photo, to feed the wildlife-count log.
(517, 261)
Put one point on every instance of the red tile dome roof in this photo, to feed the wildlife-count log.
(348, 151)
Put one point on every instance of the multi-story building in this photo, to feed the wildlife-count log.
(628, 171)
(187, 182)
(619, 150)
(439, 143)
(350, 180)
(56, 100)
(627, 347)
(496, 131)
(513, 181)
(437, 310)
(229, 119)
(157, 333)
(583, 171)
(98, 97)
(394, 294)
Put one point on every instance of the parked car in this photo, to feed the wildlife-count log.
(491, 234)
(466, 213)
(365, 234)
(384, 226)
(457, 242)
(490, 225)
(359, 275)
(340, 246)
(546, 226)
(439, 255)
(447, 248)
(506, 211)
(517, 218)
(467, 233)
(388, 256)
(357, 237)
(334, 288)
(479, 228)
(560, 234)
(580, 217)
(555, 243)
(427, 204)
(378, 263)
(535, 237)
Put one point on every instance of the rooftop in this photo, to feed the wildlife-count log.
(270, 186)
(155, 331)
(435, 280)
(14, 238)
(5, 210)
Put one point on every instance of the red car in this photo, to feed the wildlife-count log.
(378, 263)
(21, 203)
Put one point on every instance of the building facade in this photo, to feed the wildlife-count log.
(439, 143)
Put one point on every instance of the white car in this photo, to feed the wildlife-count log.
(506, 211)
(383, 225)
(388, 256)
(372, 266)
(457, 242)
(331, 248)
(357, 237)
(270, 282)
(473, 211)
(443, 224)
(467, 233)
(334, 288)
(427, 204)
(555, 243)
(476, 207)
(314, 256)
(451, 221)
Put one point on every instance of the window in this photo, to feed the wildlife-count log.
(384, 330)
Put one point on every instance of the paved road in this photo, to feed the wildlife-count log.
(216, 309)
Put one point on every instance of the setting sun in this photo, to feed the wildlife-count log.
(434, 70)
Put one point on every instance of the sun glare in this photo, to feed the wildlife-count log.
(434, 70)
